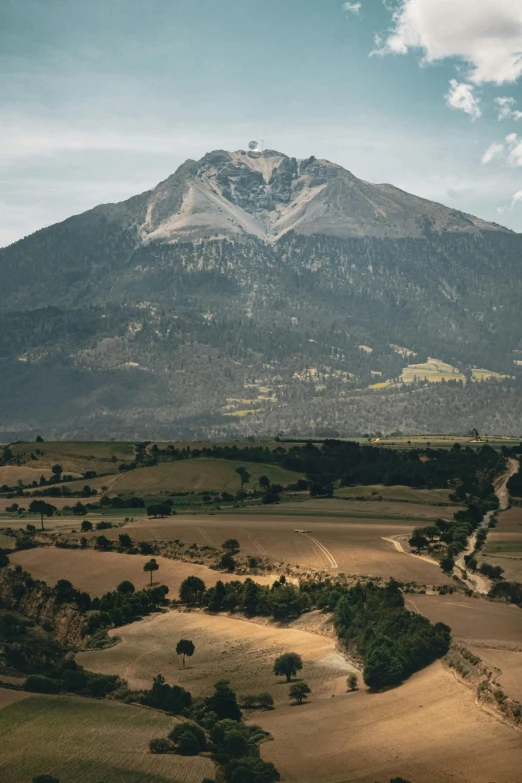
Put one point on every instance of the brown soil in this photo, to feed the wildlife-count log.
(226, 648)
(98, 572)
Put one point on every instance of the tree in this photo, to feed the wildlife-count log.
(151, 566)
(266, 700)
(231, 545)
(45, 779)
(86, 526)
(382, 668)
(125, 540)
(190, 738)
(185, 647)
(288, 665)
(103, 543)
(224, 702)
(418, 540)
(353, 682)
(192, 590)
(431, 532)
(298, 691)
(447, 564)
(227, 562)
(125, 587)
(160, 745)
(39, 439)
(244, 476)
(57, 471)
(42, 508)
(264, 482)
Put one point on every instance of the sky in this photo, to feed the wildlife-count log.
(101, 100)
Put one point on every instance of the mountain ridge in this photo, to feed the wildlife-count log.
(241, 273)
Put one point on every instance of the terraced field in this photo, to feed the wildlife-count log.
(86, 740)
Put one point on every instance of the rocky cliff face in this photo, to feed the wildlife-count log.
(266, 194)
(64, 622)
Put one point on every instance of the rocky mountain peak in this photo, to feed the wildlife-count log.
(266, 194)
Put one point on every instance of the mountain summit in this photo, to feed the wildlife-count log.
(255, 292)
(266, 194)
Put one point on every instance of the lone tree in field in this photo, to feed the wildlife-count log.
(298, 691)
(231, 545)
(264, 482)
(151, 566)
(86, 526)
(288, 665)
(352, 682)
(45, 779)
(42, 508)
(185, 647)
(244, 476)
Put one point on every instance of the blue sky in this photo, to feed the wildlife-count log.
(102, 99)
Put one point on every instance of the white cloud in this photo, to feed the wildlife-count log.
(493, 151)
(353, 8)
(514, 143)
(462, 96)
(485, 34)
(506, 109)
(515, 199)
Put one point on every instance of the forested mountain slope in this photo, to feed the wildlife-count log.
(253, 292)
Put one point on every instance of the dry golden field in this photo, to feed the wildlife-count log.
(231, 648)
(98, 572)
(88, 740)
(428, 730)
(491, 630)
(335, 543)
(12, 474)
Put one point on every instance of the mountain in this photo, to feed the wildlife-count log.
(252, 292)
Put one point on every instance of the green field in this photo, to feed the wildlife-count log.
(372, 491)
(503, 546)
(85, 741)
(199, 475)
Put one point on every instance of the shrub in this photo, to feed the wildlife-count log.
(266, 700)
(189, 738)
(298, 691)
(37, 683)
(160, 745)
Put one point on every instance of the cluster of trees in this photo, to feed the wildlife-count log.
(281, 601)
(349, 462)
(509, 591)
(70, 677)
(124, 605)
(214, 725)
(392, 641)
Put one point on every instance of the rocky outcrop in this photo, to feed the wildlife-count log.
(64, 622)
